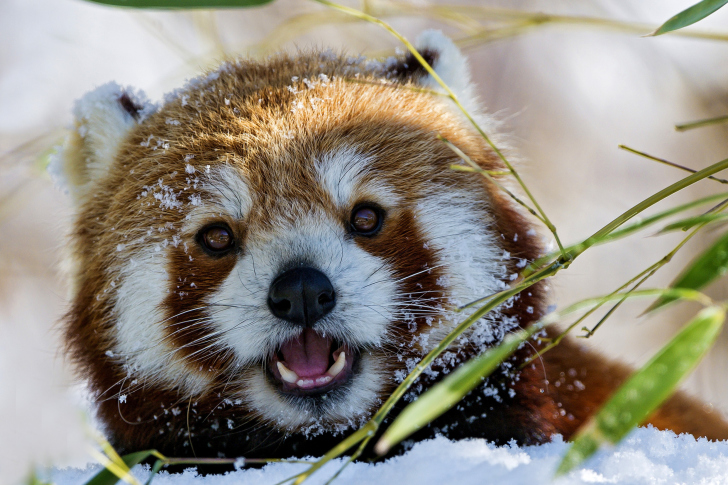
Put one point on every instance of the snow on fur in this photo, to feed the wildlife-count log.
(647, 456)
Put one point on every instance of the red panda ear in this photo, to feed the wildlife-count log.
(448, 62)
(103, 119)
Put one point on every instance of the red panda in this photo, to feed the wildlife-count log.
(261, 259)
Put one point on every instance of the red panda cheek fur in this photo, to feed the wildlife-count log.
(179, 344)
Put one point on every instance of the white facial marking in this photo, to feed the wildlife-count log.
(467, 248)
(142, 344)
(228, 189)
(341, 172)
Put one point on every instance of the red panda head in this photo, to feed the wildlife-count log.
(277, 244)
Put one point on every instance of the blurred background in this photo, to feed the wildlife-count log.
(568, 91)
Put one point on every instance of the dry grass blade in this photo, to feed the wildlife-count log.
(298, 26)
(474, 168)
(669, 163)
(701, 123)
(181, 4)
(32, 149)
(527, 20)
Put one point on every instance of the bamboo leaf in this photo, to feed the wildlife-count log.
(690, 222)
(155, 469)
(445, 394)
(637, 398)
(629, 229)
(689, 16)
(181, 4)
(711, 264)
(106, 477)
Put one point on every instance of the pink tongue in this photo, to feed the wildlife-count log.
(307, 355)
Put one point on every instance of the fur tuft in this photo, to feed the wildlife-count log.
(451, 66)
(102, 119)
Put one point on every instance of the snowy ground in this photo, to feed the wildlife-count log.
(647, 456)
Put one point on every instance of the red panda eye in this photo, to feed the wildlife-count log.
(216, 238)
(366, 220)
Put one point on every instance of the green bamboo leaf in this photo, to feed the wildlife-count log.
(181, 4)
(701, 271)
(106, 477)
(689, 16)
(631, 228)
(690, 222)
(649, 387)
(155, 469)
(449, 391)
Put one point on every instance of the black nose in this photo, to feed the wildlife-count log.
(301, 296)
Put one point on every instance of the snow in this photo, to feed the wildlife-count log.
(647, 456)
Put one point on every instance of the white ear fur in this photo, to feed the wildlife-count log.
(451, 65)
(103, 118)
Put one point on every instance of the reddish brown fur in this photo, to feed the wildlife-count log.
(397, 127)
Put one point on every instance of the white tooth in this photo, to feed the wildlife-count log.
(305, 383)
(338, 365)
(287, 374)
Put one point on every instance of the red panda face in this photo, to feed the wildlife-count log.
(278, 244)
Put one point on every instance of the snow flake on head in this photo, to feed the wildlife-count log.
(195, 199)
(164, 194)
(155, 143)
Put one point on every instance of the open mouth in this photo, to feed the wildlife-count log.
(311, 364)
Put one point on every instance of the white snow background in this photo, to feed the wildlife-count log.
(569, 96)
(646, 456)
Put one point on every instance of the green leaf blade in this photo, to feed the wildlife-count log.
(711, 264)
(690, 15)
(181, 4)
(690, 222)
(445, 394)
(647, 389)
(106, 477)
